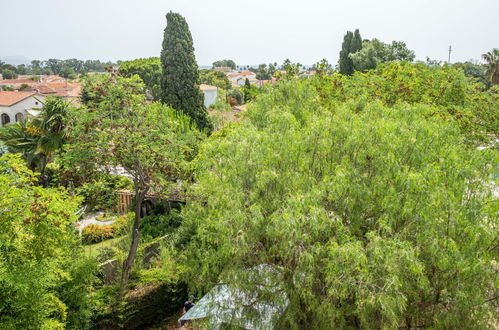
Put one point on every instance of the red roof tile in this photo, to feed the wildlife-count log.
(11, 98)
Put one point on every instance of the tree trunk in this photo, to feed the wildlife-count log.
(128, 263)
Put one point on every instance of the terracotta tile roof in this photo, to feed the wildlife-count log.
(57, 85)
(10, 98)
(205, 87)
(239, 74)
(44, 89)
(17, 82)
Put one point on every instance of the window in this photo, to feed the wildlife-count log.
(19, 117)
(5, 119)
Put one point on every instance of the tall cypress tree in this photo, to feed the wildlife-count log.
(352, 43)
(179, 80)
(356, 44)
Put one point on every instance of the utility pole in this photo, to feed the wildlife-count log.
(450, 50)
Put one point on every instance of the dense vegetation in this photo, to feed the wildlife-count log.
(69, 68)
(375, 213)
(45, 279)
(365, 198)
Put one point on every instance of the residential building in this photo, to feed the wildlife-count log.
(210, 94)
(16, 105)
(236, 77)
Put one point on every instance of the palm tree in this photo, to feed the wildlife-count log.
(492, 59)
(39, 139)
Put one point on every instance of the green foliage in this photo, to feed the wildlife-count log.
(44, 279)
(492, 60)
(112, 95)
(214, 78)
(153, 226)
(446, 88)
(263, 73)
(478, 72)
(102, 194)
(374, 52)
(150, 142)
(291, 70)
(352, 43)
(374, 216)
(237, 94)
(179, 82)
(68, 72)
(95, 233)
(149, 70)
(42, 137)
(225, 63)
(250, 91)
(9, 74)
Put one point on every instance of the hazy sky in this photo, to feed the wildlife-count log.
(248, 31)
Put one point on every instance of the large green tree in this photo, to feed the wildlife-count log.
(225, 63)
(371, 217)
(151, 142)
(374, 52)
(149, 70)
(45, 279)
(352, 42)
(180, 79)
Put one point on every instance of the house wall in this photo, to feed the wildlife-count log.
(20, 107)
(210, 97)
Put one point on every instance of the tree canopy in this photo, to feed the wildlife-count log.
(149, 70)
(225, 63)
(151, 142)
(374, 52)
(373, 216)
(214, 78)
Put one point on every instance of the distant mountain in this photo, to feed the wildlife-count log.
(15, 60)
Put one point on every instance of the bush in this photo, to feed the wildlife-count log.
(94, 233)
(122, 224)
(237, 95)
(102, 193)
(153, 226)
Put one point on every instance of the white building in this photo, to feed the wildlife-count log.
(15, 106)
(210, 94)
(239, 78)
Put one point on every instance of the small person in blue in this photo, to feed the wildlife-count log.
(188, 304)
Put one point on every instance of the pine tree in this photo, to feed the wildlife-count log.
(352, 43)
(179, 81)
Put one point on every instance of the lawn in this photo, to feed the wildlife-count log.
(92, 250)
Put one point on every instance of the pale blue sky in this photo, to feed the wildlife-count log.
(248, 31)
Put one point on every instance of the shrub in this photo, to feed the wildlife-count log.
(122, 224)
(94, 233)
(102, 193)
(153, 226)
(237, 95)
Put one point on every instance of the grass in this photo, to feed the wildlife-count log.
(92, 250)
